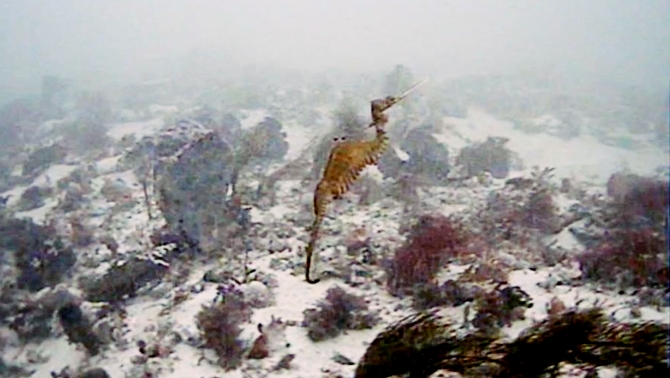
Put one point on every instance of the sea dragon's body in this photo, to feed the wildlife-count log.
(346, 162)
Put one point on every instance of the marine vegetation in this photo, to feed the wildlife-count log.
(220, 326)
(424, 343)
(338, 312)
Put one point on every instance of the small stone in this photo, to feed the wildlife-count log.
(256, 294)
(555, 307)
(152, 351)
(139, 360)
(342, 360)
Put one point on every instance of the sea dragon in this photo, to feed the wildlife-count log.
(345, 163)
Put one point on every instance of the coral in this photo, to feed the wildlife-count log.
(540, 212)
(348, 122)
(432, 241)
(450, 293)
(490, 156)
(369, 190)
(182, 245)
(219, 326)
(338, 312)
(586, 336)
(405, 189)
(78, 328)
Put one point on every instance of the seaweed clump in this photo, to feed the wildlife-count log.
(627, 257)
(520, 214)
(42, 158)
(630, 246)
(450, 293)
(500, 307)
(432, 241)
(418, 344)
(339, 311)
(220, 326)
(41, 259)
(525, 204)
(422, 344)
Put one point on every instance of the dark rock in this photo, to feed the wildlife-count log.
(33, 198)
(73, 199)
(78, 328)
(94, 373)
(193, 169)
(42, 158)
(276, 146)
(428, 158)
(30, 322)
(124, 279)
(343, 360)
(490, 156)
(230, 129)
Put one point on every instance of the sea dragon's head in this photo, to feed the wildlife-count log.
(380, 105)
